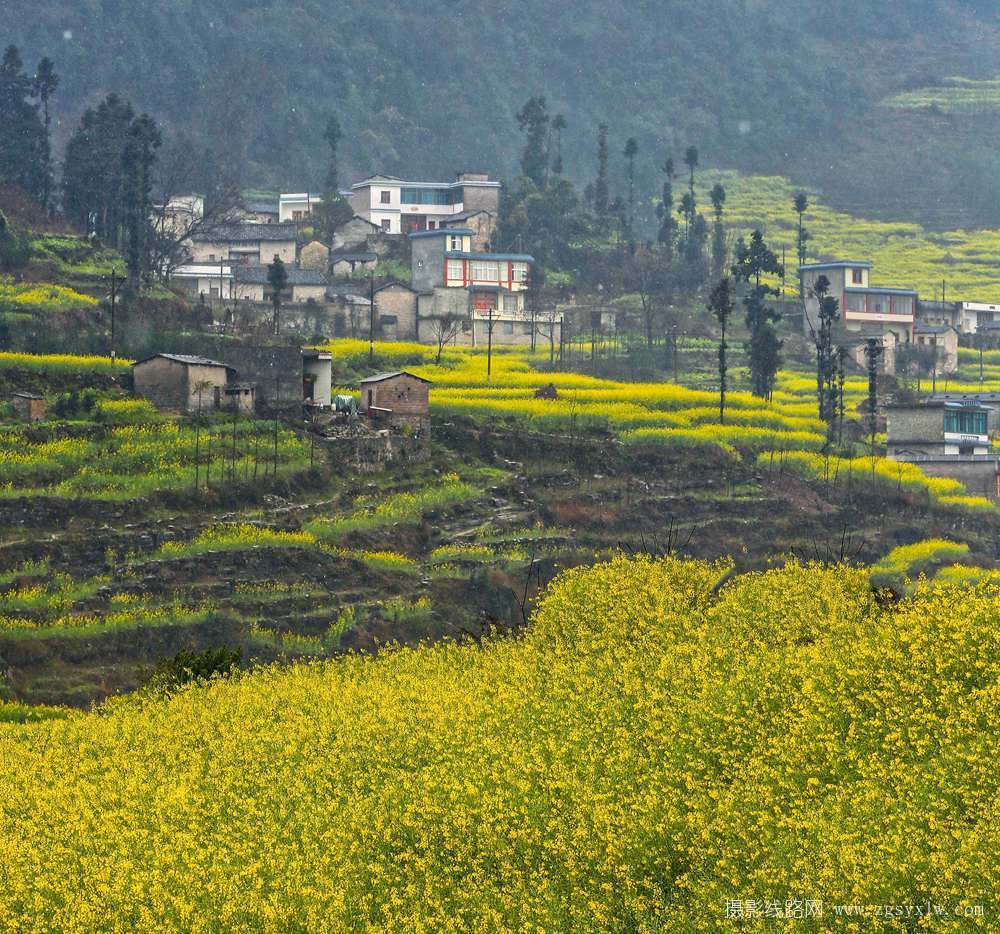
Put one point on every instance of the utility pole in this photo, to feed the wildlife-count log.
(114, 297)
(489, 346)
(371, 318)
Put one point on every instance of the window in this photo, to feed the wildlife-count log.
(520, 272)
(426, 196)
(902, 305)
(456, 243)
(455, 271)
(508, 327)
(386, 225)
(965, 423)
(296, 215)
(858, 276)
(855, 302)
(878, 304)
(431, 225)
(211, 257)
(484, 272)
(385, 197)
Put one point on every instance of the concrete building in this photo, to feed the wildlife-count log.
(296, 207)
(317, 377)
(29, 406)
(487, 288)
(180, 382)
(254, 244)
(399, 398)
(211, 280)
(180, 213)
(396, 312)
(481, 222)
(399, 206)
(942, 340)
(945, 439)
(866, 311)
(304, 285)
(989, 400)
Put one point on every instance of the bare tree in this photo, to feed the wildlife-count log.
(445, 328)
(179, 213)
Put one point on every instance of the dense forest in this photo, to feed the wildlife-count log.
(777, 87)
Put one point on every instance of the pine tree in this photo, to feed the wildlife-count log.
(138, 158)
(334, 209)
(665, 211)
(630, 152)
(94, 181)
(558, 125)
(801, 204)
(45, 83)
(718, 231)
(720, 304)
(24, 159)
(277, 280)
(533, 119)
(826, 358)
(601, 194)
(753, 263)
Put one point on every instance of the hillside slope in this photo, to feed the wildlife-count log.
(424, 89)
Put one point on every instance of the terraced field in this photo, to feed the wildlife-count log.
(904, 255)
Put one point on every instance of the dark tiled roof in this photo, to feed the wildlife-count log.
(262, 207)
(933, 328)
(190, 359)
(379, 377)
(465, 215)
(245, 233)
(257, 275)
(340, 256)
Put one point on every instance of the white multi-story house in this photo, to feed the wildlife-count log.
(866, 311)
(399, 206)
(296, 206)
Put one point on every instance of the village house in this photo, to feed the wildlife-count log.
(488, 289)
(942, 341)
(397, 398)
(254, 244)
(359, 235)
(866, 311)
(180, 382)
(314, 255)
(945, 439)
(180, 213)
(296, 207)
(348, 262)
(259, 212)
(481, 222)
(989, 400)
(304, 285)
(399, 206)
(205, 280)
(964, 317)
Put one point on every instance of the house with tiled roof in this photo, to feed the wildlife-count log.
(257, 244)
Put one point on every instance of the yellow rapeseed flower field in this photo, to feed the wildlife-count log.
(644, 753)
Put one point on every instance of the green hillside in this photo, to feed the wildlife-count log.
(903, 255)
(778, 88)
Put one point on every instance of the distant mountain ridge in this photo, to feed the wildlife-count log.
(422, 88)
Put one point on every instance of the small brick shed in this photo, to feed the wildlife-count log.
(398, 396)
